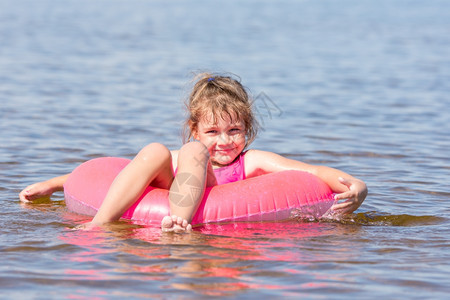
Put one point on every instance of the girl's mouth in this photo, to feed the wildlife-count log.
(223, 150)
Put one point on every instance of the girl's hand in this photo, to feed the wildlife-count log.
(355, 196)
(36, 191)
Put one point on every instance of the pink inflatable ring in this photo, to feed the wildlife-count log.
(270, 197)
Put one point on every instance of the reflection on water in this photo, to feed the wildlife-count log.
(358, 85)
(228, 259)
(233, 256)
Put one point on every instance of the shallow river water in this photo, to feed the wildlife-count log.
(361, 86)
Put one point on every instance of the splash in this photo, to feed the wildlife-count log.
(371, 218)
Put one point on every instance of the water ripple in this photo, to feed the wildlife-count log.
(361, 86)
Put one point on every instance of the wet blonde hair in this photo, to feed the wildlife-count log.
(219, 96)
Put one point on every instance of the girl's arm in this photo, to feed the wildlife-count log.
(43, 189)
(346, 186)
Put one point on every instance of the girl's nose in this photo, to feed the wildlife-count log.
(224, 139)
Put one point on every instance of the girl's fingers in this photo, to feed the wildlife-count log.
(341, 205)
(28, 195)
(345, 195)
(354, 196)
(23, 197)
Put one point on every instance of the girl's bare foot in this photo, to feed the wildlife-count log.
(175, 224)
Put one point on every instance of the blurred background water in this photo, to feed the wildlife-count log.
(362, 86)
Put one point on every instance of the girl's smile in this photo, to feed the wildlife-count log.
(225, 138)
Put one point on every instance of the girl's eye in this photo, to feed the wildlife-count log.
(211, 131)
(235, 130)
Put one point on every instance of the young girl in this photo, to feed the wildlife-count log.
(220, 126)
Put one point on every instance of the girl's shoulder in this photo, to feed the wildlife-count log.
(253, 154)
(255, 162)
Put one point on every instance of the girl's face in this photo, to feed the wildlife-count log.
(224, 139)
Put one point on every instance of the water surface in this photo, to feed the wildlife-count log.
(357, 85)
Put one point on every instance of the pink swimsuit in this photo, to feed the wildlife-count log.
(231, 173)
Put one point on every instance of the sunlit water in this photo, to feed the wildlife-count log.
(362, 86)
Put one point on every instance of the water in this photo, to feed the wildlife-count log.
(358, 85)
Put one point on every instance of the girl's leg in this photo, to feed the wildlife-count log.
(188, 186)
(152, 165)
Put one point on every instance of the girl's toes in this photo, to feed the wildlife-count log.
(167, 223)
(184, 224)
